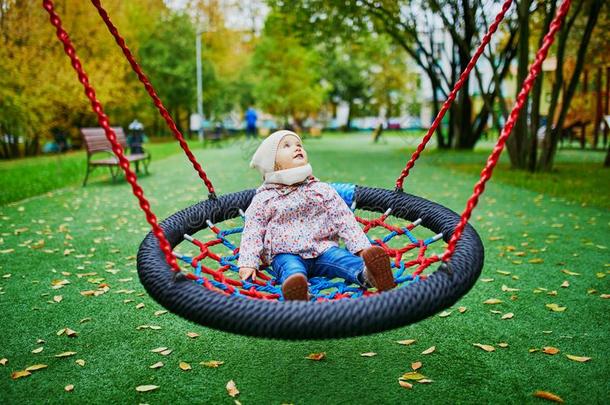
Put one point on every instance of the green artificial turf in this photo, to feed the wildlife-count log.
(530, 238)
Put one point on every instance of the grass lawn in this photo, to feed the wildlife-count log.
(547, 246)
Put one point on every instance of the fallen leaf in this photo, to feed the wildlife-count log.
(509, 315)
(212, 363)
(80, 362)
(550, 350)
(146, 388)
(536, 260)
(58, 298)
(503, 345)
(3, 362)
(158, 364)
(555, 307)
(65, 354)
(140, 305)
(570, 273)
(548, 396)
(429, 350)
(159, 349)
(533, 350)
(38, 350)
(506, 288)
(416, 366)
(487, 348)
(69, 388)
(493, 301)
(461, 310)
(192, 335)
(605, 296)
(406, 342)
(412, 375)
(424, 381)
(577, 358)
(166, 352)
(405, 384)
(15, 375)
(161, 312)
(232, 389)
(487, 280)
(184, 366)
(316, 356)
(444, 314)
(565, 284)
(368, 354)
(36, 367)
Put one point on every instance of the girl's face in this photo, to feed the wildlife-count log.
(290, 153)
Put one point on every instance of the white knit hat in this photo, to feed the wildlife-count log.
(264, 157)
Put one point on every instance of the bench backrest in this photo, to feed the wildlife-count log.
(96, 141)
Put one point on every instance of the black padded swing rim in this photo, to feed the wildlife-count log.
(312, 320)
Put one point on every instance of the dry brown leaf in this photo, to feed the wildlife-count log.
(487, 348)
(492, 301)
(550, 350)
(69, 388)
(38, 350)
(405, 384)
(536, 260)
(316, 356)
(232, 389)
(368, 354)
(604, 296)
(15, 375)
(80, 362)
(503, 345)
(565, 284)
(36, 367)
(416, 366)
(185, 366)
(548, 396)
(578, 358)
(461, 310)
(412, 375)
(429, 350)
(406, 342)
(192, 335)
(146, 388)
(158, 364)
(509, 315)
(65, 354)
(212, 363)
(555, 307)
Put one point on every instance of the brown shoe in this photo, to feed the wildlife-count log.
(378, 271)
(295, 287)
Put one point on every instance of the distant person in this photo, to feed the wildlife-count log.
(136, 137)
(251, 118)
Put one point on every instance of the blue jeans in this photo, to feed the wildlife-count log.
(334, 262)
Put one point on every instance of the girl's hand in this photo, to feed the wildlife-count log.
(247, 272)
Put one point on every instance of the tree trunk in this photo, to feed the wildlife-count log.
(549, 153)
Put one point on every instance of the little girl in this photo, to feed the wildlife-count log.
(294, 223)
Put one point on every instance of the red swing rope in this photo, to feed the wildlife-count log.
(151, 92)
(493, 158)
(63, 37)
(458, 85)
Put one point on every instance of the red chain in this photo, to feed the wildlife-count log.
(512, 119)
(62, 35)
(452, 95)
(151, 91)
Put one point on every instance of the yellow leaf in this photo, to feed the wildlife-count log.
(70, 332)
(140, 305)
(368, 354)
(577, 358)
(184, 366)
(506, 288)
(550, 350)
(158, 364)
(605, 296)
(19, 374)
(416, 366)
(429, 350)
(424, 381)
(36, 367)
(509, 315)
(161, 312)
(533, 350)
(232, 389)
(166, 352)
(570, 273)
(316, 356)
(487, 348)
(159, 349)
(80, 362)
(444, 314)
(536, 260)
(212, 363)
(503, 345)
(192, 335)
(487, 280)
(412, 375)
(146, 388)
(406, 342)
(565, 284)
(65, 354)
(58, 298)
(405, 384)
(493, 301)
(461, 310)
(555, 307)
(69, 388)
(38, 350)
(3, 361)
(548, 396)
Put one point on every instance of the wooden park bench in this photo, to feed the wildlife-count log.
(96, 142)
